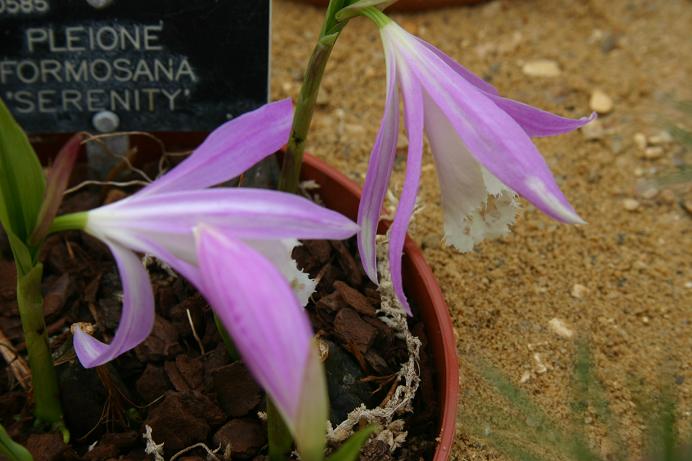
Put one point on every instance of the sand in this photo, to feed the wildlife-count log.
(624, 279)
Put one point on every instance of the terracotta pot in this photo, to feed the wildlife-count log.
(341, 194)
(412, 5)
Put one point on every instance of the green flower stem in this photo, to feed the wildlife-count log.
(280, 439)
(72, 221)
(378, 17)
(43, 376)
(305, 105)
(305, 108)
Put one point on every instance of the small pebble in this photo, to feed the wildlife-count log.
(579, 291)
(630, 204)
(600, 102)
(540, 366)
(287, 87)
(558, 327)
(525, 377)
(653, 152)
(640, 140)
(663, 137)
(541, 68)
(593, 130)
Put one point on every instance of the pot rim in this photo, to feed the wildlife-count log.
(423, 288)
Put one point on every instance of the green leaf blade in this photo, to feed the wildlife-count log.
(11, 449)
(22, 183)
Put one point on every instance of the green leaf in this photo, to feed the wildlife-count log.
(330, 17)
(350, 450)
(21, 253)
(21, 179)
(11, 449)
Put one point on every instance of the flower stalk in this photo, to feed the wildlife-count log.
(43, 376)
(305, 105)
(305, 108)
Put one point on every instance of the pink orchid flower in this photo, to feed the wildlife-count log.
(481, 143)
(234, 245)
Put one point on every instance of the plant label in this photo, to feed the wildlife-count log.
(147, 65)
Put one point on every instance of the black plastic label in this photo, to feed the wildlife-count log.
(158, 65)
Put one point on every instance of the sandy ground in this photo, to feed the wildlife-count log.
(624, 279)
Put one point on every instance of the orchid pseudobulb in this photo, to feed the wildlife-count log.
(481, 143)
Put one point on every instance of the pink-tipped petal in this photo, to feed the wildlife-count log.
(379, 172)
(494, 138)
(537, 122)
(534, 121)
(267, 324)
(137, 317)
(413, 116)
(312, 410)
(230, 150)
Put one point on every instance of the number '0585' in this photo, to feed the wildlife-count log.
(16, 7)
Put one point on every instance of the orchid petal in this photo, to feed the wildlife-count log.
(183, 264)
(413, 115)
(245, 213)
(466, 74)
(379, 172)
(537, 122)
(137, 318)
(491, 135)
(466, 187)
(279, 253)
(230, 150)
(312, 410)
(269, 328)
(534, 121)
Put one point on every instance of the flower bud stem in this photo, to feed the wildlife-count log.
(305, 105)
